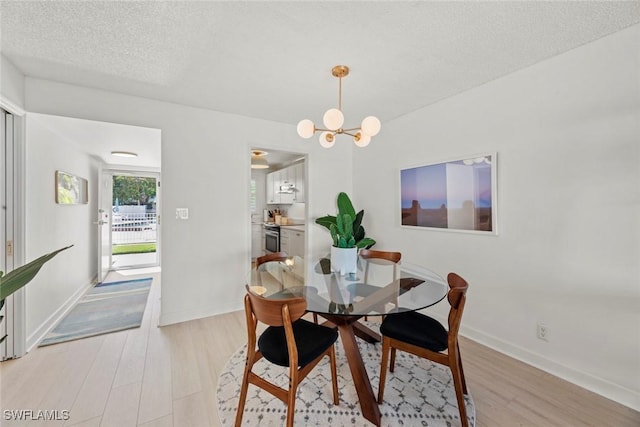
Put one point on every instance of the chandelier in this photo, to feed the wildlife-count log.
(334, 119)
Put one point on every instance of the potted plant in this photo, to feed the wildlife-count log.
(19, 277)
(348, 235)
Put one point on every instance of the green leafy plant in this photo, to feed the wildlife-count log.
(346, 227)
(19, 277)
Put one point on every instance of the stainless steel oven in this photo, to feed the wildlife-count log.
(272, 238)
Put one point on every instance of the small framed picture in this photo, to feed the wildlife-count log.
(457, 195)
(71, 189)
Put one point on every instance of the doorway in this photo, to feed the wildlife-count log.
(12, 310)
(278, 192)
(129, 220)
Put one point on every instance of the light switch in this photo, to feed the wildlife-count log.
(182, 213)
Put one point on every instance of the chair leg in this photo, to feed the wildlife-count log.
(243, 390)
(464, 382)
(383, 369)
(291, 396)
(334, 375)
(457, 383)
(393, 359)
(315, 318)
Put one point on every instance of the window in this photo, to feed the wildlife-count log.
(252, 196)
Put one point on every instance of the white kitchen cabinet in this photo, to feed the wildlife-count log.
(257, 240)
(270, 187)
(292, 242)
(298, 172)
(278, 181)
(284, 241)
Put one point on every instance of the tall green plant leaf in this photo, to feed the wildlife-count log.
(326, 221)
(19, 277)
(367, 242)
(345, 206)
(358, 220)
(340, 224)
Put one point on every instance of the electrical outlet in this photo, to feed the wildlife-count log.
(543, 332)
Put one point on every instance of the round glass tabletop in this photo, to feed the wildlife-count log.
(378, 287)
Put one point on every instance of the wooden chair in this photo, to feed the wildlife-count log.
(370, 254)
(425, 337)
(287, 341)
(276, 256)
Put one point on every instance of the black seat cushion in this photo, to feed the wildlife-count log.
(311, 340)
(415, 328)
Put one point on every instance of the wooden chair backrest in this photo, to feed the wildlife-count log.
(270, 311)
(367, 254)
(457, 297)
(389, 256)
(277, 256)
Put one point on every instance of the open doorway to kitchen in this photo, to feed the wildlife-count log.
(278, 194)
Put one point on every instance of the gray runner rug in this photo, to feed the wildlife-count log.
(107, 307)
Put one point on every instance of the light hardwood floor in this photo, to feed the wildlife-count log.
(162, 377)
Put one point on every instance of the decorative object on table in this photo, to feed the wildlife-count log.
(458, 195)
(422, 393)
(107, 307)
(71, 189)
(334, 119)
(348, 235)
(425, 337)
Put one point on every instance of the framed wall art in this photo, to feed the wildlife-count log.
(71, 189)
(457, 195)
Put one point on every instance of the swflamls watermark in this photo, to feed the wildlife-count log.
(36, 415)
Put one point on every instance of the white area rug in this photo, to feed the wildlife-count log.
(418, 393)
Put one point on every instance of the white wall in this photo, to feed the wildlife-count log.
(11, 86)
(206, 168)
(567, 132)
(49, 226)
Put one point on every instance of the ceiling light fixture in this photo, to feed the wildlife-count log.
(257, 159)
(334, 119)
(124, 154)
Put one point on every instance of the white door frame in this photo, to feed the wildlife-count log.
(103, 221)
(12, 226)
(106, 187)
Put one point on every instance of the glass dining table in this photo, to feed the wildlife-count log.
(344, 299)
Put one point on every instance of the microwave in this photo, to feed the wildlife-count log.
(287, 189)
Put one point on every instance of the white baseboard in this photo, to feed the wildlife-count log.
(46, 326)
(582, 379)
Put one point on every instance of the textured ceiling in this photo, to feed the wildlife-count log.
(272, 60)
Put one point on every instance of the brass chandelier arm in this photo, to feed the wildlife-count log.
(337, 131)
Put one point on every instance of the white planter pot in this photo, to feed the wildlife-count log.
(344, 260)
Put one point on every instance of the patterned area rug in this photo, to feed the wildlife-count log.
(107, 307)
(418, 393)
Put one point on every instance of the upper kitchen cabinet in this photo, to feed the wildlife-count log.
(271, 189)
(286, 186)
(298, 170)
